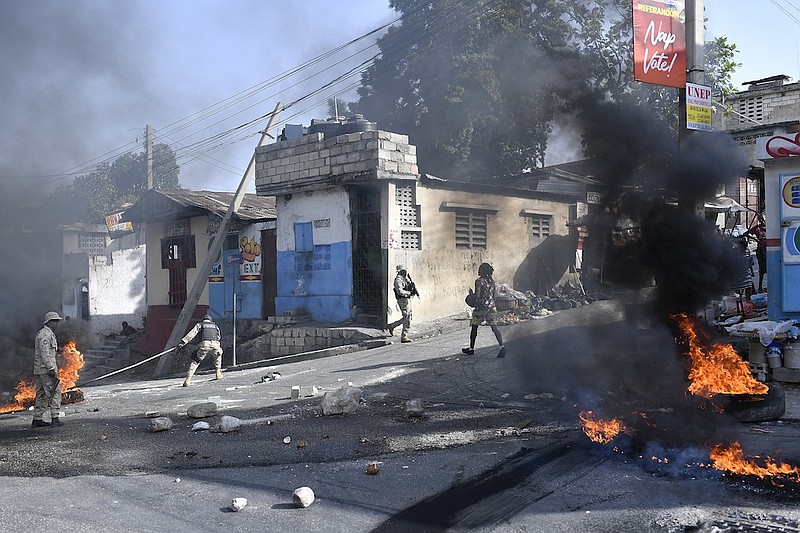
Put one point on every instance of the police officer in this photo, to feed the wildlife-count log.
(209, 343)
(404, 289)
(45, 374)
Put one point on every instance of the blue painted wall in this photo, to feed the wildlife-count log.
(319, 283)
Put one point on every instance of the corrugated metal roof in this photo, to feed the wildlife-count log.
(163, 204)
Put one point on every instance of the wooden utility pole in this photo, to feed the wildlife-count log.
(148, 135)
(213, 253)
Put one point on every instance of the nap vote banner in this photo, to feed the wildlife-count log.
(659, 42)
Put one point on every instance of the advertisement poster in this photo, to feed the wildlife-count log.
(698, 107)
(659, 42)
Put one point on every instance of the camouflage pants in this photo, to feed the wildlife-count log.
(48, 396)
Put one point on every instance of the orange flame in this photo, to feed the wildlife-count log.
(731, 459)
(68, 374)
(716, 369)
(602, 431)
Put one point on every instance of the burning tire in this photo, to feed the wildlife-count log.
(757, 407)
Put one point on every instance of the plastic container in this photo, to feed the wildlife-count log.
(774, 355)
(791, 355)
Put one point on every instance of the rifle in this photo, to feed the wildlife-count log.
(412, 287)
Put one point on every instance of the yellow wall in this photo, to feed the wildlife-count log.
(443, 273)
(157, 277)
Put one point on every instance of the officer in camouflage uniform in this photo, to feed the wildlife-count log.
(45, 374)
(209, 343)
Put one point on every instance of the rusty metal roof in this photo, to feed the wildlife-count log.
(167, 204)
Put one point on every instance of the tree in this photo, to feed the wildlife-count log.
(478, 85)
(113, 185)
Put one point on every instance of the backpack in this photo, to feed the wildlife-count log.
(471, 298)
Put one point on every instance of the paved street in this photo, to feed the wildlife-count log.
(498, 449)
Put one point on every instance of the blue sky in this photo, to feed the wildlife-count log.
(82, 78)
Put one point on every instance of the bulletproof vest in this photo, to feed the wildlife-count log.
(208, 332)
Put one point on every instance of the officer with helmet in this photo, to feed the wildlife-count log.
(45, 374)
(210, 336)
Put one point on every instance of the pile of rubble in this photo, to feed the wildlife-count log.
(516, 306)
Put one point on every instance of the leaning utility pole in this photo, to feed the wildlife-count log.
(148, 135)
(213, 252)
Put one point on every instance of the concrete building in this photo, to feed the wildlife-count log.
(103, 279)
(179, 226)
(768, 107)
(352, 205)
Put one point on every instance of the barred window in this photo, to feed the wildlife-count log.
(471, 229)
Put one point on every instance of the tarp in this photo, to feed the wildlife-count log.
(724, 204)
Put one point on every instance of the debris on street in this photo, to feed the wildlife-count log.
(161, 423)
(227, 424)
(237, 504)
(201, 426)
(270, 376)
(341, 401)
(287, 439)
(202, 410)
(373, 468)
(415, 408)
(303, 497)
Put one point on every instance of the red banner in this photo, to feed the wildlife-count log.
(659, 42)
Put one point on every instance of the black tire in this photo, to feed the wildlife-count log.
(758, 408)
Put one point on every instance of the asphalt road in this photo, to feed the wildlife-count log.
(498, 449)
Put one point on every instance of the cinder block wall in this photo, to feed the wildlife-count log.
(311, 161)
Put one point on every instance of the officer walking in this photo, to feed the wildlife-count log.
(404, 289)
(45, 374)
(209, 343)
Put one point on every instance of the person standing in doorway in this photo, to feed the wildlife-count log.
(209, 343)
(404, 289)
(45, 374)
(759, 234)
(485, 311)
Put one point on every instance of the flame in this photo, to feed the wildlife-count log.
(602, 431)
(731, 459)
(716, 369)
(68, 374)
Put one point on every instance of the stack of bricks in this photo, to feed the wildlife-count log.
(312, 160)
(289, 341)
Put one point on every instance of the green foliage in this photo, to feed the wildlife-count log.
(720, 66)
(477, 85)
(113, 185)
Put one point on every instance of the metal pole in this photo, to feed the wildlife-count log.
(234, 324)
(213, 252)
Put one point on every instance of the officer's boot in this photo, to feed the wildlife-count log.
(192, 369)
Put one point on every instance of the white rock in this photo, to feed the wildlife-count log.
(237, 504)
(161, 423)
(341, 400)
(228, 424)
(303, 497)
(200, 426)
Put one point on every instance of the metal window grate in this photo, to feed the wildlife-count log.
(471, 229)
